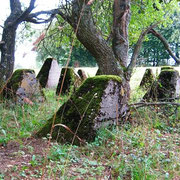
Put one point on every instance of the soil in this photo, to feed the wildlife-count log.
(16, 163)
(15, 158)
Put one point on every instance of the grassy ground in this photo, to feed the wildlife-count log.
(148, 147)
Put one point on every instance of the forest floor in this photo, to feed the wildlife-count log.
(14, 156)
(141, 153)
(16, 162)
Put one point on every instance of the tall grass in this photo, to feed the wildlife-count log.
(19, 121)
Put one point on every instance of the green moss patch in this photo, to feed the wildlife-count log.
(23, 87)
(165, 87)
(71, 81)
(79, 111)
(15, 81)
(166, 68)
(147, 79)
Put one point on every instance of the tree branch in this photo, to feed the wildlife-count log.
(33, 17)
(91, 38)
(37, 20)
(15, 5)
(24, 14)
(142, 104)
(166, 45)
(137, 49)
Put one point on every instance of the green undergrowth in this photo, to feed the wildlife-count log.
(124, 153)
(20, 121)
(146, 148)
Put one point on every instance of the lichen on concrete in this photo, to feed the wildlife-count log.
(14, 82)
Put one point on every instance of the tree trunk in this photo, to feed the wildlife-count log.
(121, 18)
(92, 39)
(7, 44)
(8, 39)
(111, 60)
(7, 52)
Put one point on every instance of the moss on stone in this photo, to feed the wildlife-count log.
(44, 72)
(166, 68)
(83, 105)
(14, 82)
(147, 79)
(69, 81)
(165, 87)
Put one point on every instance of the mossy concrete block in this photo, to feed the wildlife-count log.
(147, 79)
(23, 84)
(99, 102)
(167, 87)
(49, 74)
(70, 82)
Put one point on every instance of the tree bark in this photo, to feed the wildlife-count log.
(121, 18)
(111, 60)
(92, 39)
(8, 37)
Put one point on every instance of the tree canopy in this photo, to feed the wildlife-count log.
(143, 14)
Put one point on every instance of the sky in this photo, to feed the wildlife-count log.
(23, 55)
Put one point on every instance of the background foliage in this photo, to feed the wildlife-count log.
(59, 35)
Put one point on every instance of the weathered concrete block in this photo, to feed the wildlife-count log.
(99, 102)
(49, 74)
(24, 86)
(82, 74)
(167, 86)
(70, 83)
(147, 79)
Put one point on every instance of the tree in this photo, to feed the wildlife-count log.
(60, 53)
(112, 57)
(7, 44)
(111, 54)
(153, 53)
